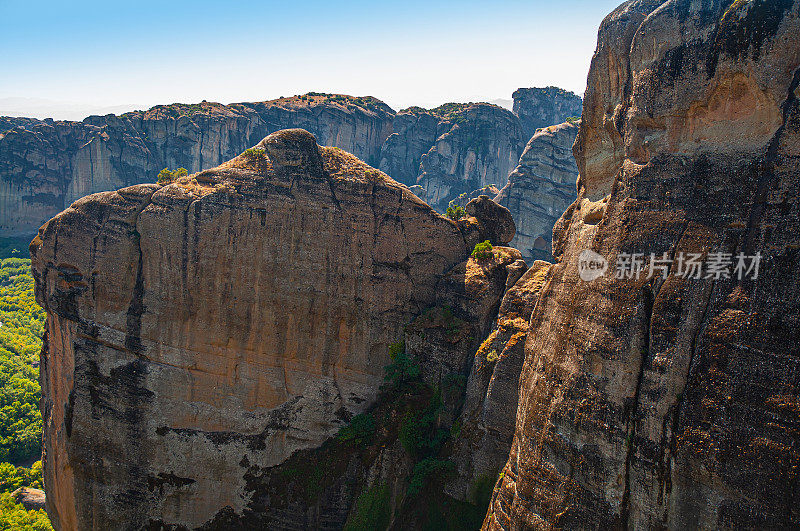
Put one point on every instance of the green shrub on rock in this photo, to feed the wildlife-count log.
(372, 510)
(254, 153)
(423, 471)
(482, 251)
(361, 430)
(402, 371)
(454, 211)
(166, 176)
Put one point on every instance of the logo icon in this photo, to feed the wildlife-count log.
(591, 265)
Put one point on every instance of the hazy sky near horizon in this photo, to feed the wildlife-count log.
(404, 52)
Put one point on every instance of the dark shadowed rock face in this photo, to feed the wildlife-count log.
(203, 329)
(671, 403)
(541, 188)
(541, 107)
(490, 403)
(497, 220)
(453, 150)
(477, 145)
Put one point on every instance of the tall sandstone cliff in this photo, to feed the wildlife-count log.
(45, 165)
(541, 188)
(229, 318)
(670, 402)
(542, 107)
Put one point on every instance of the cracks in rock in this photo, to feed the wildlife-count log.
(766, 168)
(407, 259)
(632, 408)
(136, 308)
(333, 190)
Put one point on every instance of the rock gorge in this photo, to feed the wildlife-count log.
(224, 351)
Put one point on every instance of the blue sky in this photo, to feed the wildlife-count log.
(404, 52)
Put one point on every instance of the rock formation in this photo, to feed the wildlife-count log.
(414, 132)
(477, 145)
(45, 165)
(31, 499)
(542, 107)
(541, 188)
(668, 399)
(490, 408)
(366, 482)
(207, 338)
(221, 322)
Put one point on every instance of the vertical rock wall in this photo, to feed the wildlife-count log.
(653, 401)
(221, 322)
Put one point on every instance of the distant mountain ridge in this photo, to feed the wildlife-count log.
(45, 165)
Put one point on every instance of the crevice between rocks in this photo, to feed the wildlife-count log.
(133, 324)
(633, 407)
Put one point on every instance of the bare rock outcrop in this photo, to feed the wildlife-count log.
(496, 220)
(362, 478)
(45, 165)
(202, 330)
(479, 146)
(490, 403)
(542, 107)
(31, 499)
(666, 397)
(541, 188)
(414, 131)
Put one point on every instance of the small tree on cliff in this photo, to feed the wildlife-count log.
(455, 211)
(482, 251)
(166, 176)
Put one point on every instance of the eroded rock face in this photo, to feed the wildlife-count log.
(480, 145)
(542, 107)
(220, 323)
(496, 219)
(490, 403)
(46, 164)
(454, 149)
(541, 188)
(671, 402)
(414, 131)
(31, 499)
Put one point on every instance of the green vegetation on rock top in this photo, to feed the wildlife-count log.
(455, 211)
(166, 176)
(482, 251)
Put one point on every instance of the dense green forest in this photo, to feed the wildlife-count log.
(21, 327)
